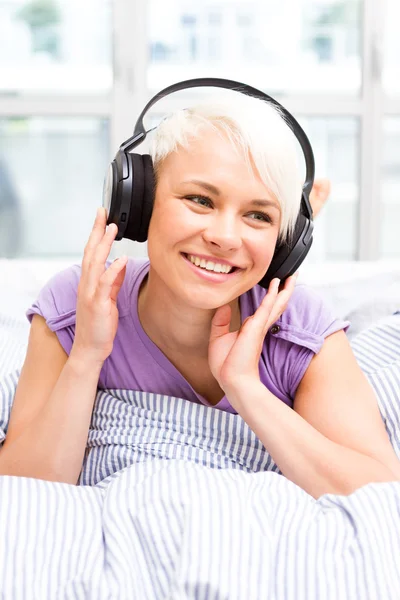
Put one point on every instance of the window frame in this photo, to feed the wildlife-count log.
(129, 94)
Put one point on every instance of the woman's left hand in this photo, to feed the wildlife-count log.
(234, 355)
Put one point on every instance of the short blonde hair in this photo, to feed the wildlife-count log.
(256, 128)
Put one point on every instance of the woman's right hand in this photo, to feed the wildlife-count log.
(96, 310)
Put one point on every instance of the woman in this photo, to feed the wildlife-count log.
(192, 321)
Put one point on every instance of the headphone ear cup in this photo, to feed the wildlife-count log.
(141, 196)
(289, 255)
(134, 195)
(148, 197)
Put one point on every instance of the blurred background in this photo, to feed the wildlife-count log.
(74, 75)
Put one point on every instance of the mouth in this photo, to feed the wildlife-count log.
(217, 272)
(210, 266)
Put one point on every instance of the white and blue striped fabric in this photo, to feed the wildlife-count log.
(13, 342)
(181, 501)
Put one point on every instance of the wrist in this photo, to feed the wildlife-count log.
(240, 388)
(82, 363)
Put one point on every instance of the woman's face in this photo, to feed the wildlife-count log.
(211, 206)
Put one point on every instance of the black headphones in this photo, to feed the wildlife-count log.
(129, 184)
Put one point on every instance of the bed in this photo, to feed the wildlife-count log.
(178, 500)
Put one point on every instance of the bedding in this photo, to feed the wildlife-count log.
(178, 500)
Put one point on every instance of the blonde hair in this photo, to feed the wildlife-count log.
(256, 128)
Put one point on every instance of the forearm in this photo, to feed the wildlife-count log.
(302, 453)
(52, 447)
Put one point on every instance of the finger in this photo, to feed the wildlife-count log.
(103, 248)
(269, 304)
(289, 283)
(220, 324)
(95, 237)
(260, 318)
(107, 281)
(272, 306)
(282, 300)
(97, 266)
(118, 284)
(268, 301)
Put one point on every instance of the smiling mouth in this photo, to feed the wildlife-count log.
(210, 270)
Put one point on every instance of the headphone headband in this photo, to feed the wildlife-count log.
(139, 133)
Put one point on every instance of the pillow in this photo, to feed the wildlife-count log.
(377, 350)
(358, 292)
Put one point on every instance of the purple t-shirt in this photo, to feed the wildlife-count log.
(136, 363)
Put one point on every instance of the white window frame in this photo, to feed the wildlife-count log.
(130, 93)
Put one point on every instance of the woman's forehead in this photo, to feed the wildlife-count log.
(212, 153)
(219, 179)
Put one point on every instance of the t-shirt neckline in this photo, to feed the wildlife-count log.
(155, 351)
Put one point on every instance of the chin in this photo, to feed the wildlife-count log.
(208, 298)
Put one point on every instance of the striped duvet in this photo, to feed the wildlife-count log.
(180, 501)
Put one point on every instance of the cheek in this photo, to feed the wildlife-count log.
(160, 219)
(172, 221)
(263, 251)
(166, 228)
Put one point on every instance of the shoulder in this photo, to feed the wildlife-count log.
(308, 319)
(307, 310)
(296, 337)
(306, 313)
(58, 296)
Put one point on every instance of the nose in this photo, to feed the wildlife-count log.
(223, 231)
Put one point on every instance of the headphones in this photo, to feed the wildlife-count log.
(128, 192)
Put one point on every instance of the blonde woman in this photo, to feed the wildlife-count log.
(192, 321)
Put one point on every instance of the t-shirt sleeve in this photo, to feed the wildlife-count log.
(56, 303)
(298, 335)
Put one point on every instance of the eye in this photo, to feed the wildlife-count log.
(206, 202)
(201, 200)
(261, 216)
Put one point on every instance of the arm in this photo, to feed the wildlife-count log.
(334, 441)
(51, 412)
(53, 404)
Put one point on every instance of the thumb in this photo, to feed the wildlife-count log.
(220, 322)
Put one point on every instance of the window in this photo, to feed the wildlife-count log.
(214, 18)
(390, 205)
(392, 49)
(55, 46)
(51, 176)
(71, 90)
(317, 48)
(335, 143)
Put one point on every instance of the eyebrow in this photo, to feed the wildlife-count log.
(214, 190)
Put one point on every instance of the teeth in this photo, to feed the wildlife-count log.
(209, 265)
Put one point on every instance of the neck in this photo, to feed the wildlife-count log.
(174, 326)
